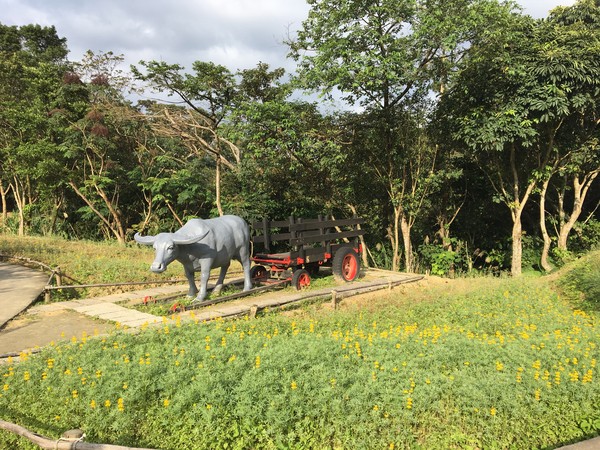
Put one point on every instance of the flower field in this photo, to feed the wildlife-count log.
(508, 365)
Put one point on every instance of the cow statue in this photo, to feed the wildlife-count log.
(202, 245)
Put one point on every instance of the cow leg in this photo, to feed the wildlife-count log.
(245, 260)
(189, 274)
(204, 276)
(222, 274)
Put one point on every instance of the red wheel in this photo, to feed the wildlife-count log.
(259, 273)
(300, 279)
(346, 264)
(177, 307)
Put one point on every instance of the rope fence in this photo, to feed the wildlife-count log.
(70, 440)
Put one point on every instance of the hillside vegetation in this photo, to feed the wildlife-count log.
(467, 363)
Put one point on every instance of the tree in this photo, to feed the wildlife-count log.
(573, 38)
(511, 106)
(207, 96)
(102, 144)
(386, 56)
(290, 150)
(32, 64)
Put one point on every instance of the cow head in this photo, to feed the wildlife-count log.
(166, 246)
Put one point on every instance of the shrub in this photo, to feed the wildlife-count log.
(510, 365)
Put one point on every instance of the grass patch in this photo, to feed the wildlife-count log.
(580, 281)
(88, 262)
(507, 365)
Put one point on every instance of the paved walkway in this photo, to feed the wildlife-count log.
(105, 308)
(590, 444)
(19, 288)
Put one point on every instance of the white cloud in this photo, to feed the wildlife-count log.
(235, 33)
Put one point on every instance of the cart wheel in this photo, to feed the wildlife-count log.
(300, 279)
(259, 273)
(346, 264)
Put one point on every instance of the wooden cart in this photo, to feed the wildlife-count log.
(295, 249)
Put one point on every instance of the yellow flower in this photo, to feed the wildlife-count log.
(26, 376)
(493, 411)
(166, 402)
(93, 404)
(75, 394)
(293, 385)
(121, 404)
(107, 403)
(375, 408)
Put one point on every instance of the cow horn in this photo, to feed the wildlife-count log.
(146, 240)
(184, 240)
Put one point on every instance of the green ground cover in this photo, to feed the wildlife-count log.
(500, 363)
(504, 364)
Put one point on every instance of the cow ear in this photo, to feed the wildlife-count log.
(191, 239)
(146, 240)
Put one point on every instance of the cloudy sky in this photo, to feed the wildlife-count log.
(235, 33)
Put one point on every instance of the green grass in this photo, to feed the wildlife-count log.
(478, 363)
(581, 281)
(508, 364)
(88, 262)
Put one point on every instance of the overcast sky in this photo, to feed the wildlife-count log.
(236, 33)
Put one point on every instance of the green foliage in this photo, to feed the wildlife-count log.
(581, 280)
(485, 369)
(438, 259)
(586, 236)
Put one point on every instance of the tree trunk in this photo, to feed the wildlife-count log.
(394, 236)
(117, 230)
(580, 190)
(516, 209)
(19, 196)
(545, 265)
(517, 247)
(365, 258)
(218, 186)
(4, 195)
(408, 253)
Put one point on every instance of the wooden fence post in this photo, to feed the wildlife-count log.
(334, 299)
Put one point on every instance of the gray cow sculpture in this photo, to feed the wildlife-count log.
(202, 245)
